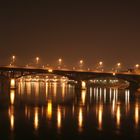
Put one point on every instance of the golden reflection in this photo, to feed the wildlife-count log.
(100, 94)
(96, 94)
(83, 97)
(28, 87)
(36, 119)
(113, 106)
(127, 96)
(27, 112)
(104, 94)
(80, 119)
(73, 110)
(118, 116)
(59, 117)
(90, 94)
(12, 83)
(116, 92)
(127, 100)
(47, 89)
(11, 116)
(12, 96)
(110, 92)
(63, 90)
(49, 109)
(36, 86)
(100, 117)
(55, 88)
(136, 114)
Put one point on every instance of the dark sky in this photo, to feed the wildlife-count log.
(90, 30)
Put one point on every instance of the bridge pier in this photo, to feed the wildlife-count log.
(133, 86)
(81, 85)
(12, 83)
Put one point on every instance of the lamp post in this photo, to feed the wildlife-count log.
(137, 68)
(37, 60)
(100, 66)
(60, 63)
(13, 60)
(118, 67)
(81, 63)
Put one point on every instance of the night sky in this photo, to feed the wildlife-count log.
(90, 30)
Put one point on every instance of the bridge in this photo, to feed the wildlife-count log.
(14, 72)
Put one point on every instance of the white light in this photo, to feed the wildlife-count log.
(50, 70)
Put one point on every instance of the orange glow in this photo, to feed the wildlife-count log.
(36, 120)
(50, 70)
(49, 110)
(118, 116)
(59, 118)
(11, 116)
(83, 85)
(136, 114)
(80, 119)
(83, 96)
(12, 83)
(12, 96)
(100, 115)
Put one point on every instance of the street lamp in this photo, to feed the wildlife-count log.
(59, 61)
(137, 66)
(37, 60)
(100, 63)
(100, 66)
(13, 59)
(81, 62)
(118, 66)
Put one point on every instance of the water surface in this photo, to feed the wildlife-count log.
(42, 110)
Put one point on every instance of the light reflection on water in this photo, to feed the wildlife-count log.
(50, 106)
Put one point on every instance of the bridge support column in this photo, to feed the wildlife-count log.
(133, 86)
(81, 85)
(12, 83)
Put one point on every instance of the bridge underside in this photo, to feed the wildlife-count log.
(78, 76)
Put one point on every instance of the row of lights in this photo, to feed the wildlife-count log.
(81, 62)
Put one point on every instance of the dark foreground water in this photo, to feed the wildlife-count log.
(46, 111)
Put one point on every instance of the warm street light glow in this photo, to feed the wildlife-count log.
(81, 62)
(12, 83)
(37, 60)
(114, 73)
(100, 63)
(13, 57)
(118, 64)
(50, 70)
(59, 60)
(83, 85)
(12, 96)
(137, 65)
